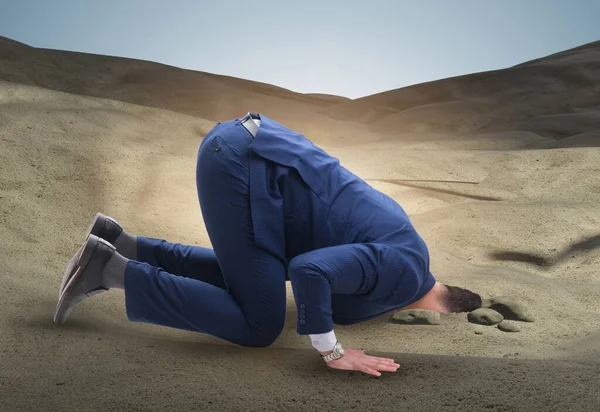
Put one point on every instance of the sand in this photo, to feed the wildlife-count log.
(508, 206)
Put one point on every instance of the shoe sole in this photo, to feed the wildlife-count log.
(81, 259)
(70, 270)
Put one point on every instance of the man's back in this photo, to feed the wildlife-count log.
(355, 213)
(333, 204)
(304, 200)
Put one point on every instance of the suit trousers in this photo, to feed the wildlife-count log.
(237, 290)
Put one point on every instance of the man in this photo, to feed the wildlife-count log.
(276, 208)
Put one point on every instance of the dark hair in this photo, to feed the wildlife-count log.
(457, 299)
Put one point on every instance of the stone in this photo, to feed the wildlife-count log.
(508, 327)
(416, 317)
(509, 307)
(485, 316)
(479, 332)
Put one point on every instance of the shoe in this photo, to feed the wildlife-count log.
(86, 280)
(104, 227)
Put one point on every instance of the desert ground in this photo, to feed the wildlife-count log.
(499, 172)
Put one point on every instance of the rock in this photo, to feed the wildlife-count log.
(417, 317)
(509, 307)
(485, 316)
(479, 332)
(508, 327)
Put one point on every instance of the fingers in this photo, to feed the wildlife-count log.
(388, 360)
(370, 371)
(382, 366)
(388, 368)
(359, 361)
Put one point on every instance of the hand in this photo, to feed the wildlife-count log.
(356, 360)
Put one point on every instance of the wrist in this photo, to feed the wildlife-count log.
(336, 353)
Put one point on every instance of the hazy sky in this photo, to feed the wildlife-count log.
(350, 48)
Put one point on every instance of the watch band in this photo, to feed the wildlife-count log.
(337, 353)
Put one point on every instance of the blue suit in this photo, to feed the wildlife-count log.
(277, 207)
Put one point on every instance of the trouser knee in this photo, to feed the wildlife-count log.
(266, 337)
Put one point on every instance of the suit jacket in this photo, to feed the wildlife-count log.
(303, 199)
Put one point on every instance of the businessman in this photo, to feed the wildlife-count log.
(276, 208)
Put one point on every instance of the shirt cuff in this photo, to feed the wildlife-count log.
(324, 342)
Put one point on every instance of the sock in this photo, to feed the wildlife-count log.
(126, 245)
(113, 275)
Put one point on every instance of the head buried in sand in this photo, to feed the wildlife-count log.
(448, 299)
(456, 299)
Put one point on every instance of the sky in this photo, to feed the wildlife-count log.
(351, 48)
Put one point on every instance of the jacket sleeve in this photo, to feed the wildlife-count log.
(316, 275)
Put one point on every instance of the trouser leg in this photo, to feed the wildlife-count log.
(251, 310)
(189, 261)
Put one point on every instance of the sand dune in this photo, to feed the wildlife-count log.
(199, 94)
(507, 202)
(554, 97)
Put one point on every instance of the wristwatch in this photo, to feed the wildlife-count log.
(337, 353)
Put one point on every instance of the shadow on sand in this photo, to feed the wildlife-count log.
(582, 246)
